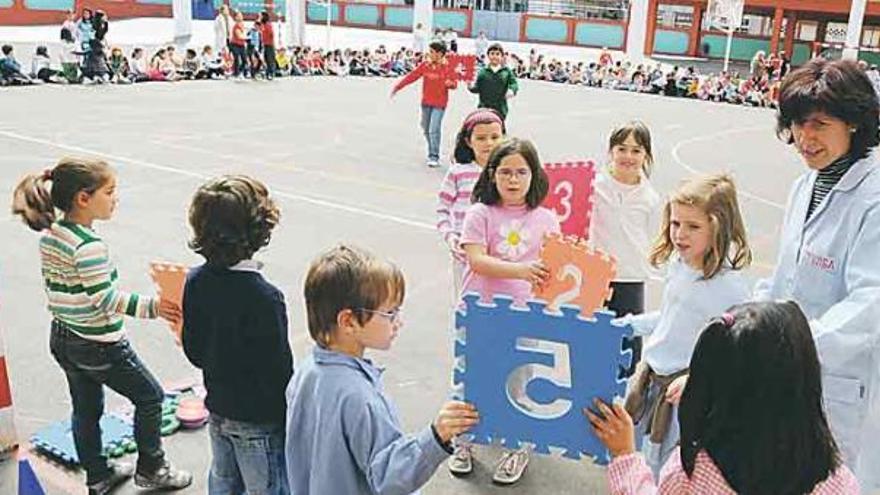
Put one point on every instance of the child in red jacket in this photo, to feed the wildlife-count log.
(437, 80)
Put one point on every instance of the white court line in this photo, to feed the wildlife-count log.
(742, 192)
(223, 134)
(327, 203)
(409, 191)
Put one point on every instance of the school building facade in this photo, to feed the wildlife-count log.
(800, 28)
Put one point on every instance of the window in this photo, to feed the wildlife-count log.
(675, 16)
(871, 37)
(806, 30)
(581, 9)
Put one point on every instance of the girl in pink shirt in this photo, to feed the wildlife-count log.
(751, 416)
(480, 132)
(502, 237)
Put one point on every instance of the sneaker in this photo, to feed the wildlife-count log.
(432, 163)
(511, 467)
(461, 462)
(119, 472)
(165, 478)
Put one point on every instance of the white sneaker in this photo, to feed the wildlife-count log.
(433, 163)
(461, 462)
(511, 467)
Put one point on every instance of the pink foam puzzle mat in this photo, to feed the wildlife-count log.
(571, 195)
(579, 276)
(170, 279)
(462, 67)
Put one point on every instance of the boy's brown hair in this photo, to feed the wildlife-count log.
(232, 217)
(347, 277)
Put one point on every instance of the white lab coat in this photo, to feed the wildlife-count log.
(830, 266)
(222, 32)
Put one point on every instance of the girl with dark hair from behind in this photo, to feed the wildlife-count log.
(751, 415)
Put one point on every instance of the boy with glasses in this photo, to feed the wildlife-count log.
(343, 433)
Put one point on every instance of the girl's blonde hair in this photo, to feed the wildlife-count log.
(36, 201)
(715, 195)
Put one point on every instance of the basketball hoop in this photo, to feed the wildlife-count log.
(726, 15)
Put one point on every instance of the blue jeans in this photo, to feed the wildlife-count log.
(248, 458)
(432, 124)
(89, 365)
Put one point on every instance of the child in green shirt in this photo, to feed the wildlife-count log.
(495, 83)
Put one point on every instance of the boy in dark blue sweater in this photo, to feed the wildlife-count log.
(235, 330)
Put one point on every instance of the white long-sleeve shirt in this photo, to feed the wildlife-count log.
(689, 302)
(39, 63)
(624, 222)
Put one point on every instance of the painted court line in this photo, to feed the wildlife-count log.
(276, 165)
(742, 192)
(326, 203)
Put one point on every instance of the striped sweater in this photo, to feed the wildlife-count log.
(454, 198)
(82, 284)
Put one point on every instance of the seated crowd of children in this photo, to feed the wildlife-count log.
(730, 87)
(168, 64)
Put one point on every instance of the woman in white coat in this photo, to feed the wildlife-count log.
(222, 30)
(829, 253)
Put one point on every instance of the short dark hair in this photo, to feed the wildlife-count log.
(232, 217)
(495, 47)
(347, 277)
(840, 89)
(438, 46)
(7, 49)
(485, 190)
(753, 402)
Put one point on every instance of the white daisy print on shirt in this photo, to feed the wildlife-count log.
(515, 240)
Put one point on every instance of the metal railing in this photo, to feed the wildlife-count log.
(613, 10)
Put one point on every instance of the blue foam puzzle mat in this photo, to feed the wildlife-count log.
(566, 360)
(56, 440)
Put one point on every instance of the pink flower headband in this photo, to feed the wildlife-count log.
(482, 117)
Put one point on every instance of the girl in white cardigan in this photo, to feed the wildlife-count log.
(625, 218)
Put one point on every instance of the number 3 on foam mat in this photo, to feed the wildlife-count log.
(571, 195)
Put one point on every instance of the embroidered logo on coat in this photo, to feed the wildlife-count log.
(819, 262)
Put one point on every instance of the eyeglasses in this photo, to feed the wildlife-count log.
(507, 174)
(392, 316)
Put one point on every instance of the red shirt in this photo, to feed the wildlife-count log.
(267, 32)
(436, 83)
(239, 34)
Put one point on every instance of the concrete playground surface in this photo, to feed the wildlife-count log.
(347, 165)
